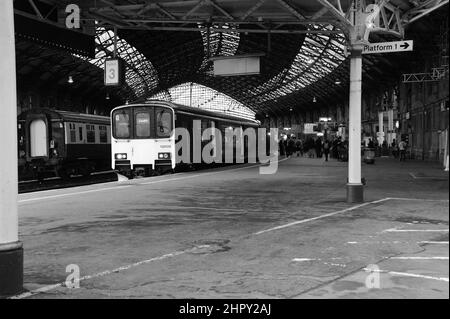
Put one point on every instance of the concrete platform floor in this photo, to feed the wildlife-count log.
(232, 233)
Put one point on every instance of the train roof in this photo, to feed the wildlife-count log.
(67, 116)
(193, 110)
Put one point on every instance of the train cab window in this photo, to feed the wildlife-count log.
(164, 122)
(122, 124)
(143, 124)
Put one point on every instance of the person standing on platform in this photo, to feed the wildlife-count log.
(291, 146)
(326, 149)
(335, 147)
(299, 147)
(402, 150)
(318, 147)
(286, 147)
(394, 148)
(281, 146)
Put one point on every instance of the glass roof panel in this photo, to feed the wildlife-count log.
(319, 55)
(196, 95)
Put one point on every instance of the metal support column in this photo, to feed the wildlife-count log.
(358, 37)
(11, 252)
(355, 191)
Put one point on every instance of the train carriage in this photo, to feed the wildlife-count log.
(62, 143)
(143, 135)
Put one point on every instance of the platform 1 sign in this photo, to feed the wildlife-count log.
(388, 47)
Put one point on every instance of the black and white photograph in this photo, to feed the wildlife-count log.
(224, 158)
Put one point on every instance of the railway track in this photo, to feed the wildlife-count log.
(28, 186)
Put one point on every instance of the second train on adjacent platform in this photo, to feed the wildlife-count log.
(61, 143)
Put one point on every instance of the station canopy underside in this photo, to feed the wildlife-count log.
(169, 43)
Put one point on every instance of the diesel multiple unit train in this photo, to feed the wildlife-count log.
(144, 136)
(137, 140)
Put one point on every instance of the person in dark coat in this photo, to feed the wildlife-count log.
(318, 147)
(326, 149)
(281, 147)
(299, 147)
(291, 146)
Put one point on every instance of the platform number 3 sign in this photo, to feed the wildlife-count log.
(114, 72)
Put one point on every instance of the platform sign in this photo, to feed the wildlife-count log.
(248, 64)
(114, 72)
(309, 128)
(388, 47)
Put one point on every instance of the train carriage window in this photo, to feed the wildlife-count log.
(164, 122)
(122, 124)
(90, 133)
(80, 131)
(143, 124)
(73, 133)
(103, 134)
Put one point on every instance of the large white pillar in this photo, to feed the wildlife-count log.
(11, 254)
(390, 126)
(381, 128)
(355, 191)
(446, 151)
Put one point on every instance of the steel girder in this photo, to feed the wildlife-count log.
(318, 66)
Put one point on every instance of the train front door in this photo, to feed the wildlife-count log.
(38, 138)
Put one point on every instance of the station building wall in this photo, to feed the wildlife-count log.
(424, 116)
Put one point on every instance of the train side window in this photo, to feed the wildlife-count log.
(90, 133)
(143, 127)
(80, 133)
(73, 133)
(164, 122)
(122, 124)
(103, 134)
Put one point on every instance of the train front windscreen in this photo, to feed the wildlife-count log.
(146, 122)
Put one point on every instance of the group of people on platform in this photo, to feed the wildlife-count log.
(397, 149)
(314, 148)
(336, 148)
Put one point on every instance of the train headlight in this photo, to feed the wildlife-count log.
(164, 155)
(121, 156)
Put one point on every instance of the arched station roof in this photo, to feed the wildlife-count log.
(166, 43)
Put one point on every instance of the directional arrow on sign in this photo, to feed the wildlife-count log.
(388, 47)
(405, 46)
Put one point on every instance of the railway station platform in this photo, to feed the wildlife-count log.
(233, 233)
